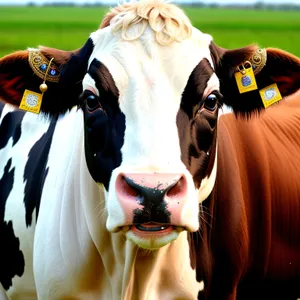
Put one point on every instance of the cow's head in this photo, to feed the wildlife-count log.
(150, 87)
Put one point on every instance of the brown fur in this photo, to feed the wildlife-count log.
(13, 71)
(250, 240)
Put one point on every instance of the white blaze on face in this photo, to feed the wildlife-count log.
(208, 183)
(151, 79)
(90, 84)
(213, 84)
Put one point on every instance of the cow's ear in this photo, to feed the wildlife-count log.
(274, 67)
(26, 70)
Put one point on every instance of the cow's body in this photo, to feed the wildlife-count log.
(118, 273)
(253, 159)
(252, 228)
(128, 149)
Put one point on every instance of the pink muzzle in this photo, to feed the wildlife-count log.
(152, 198)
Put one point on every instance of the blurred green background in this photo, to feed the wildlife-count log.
(68, 27)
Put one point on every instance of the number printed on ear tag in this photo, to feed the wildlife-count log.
(31, 101)
(245, 80)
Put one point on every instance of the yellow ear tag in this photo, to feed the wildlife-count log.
(31, 101)
(270, 95)
(245, 79)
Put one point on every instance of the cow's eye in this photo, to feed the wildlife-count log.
(92, 102)
(211, 102)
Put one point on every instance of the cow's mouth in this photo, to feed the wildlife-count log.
(152, 235)
(151, 227)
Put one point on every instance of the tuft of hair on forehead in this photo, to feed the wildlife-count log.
(168, 21)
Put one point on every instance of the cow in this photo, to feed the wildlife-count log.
(131, 184)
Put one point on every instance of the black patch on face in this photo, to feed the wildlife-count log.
(192, 97)
(11, 258)
(11, 127)
(35, 172)
(104, 125)
(197, 125)
(152, 199)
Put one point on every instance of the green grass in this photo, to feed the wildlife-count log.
(65, 28)
(236, 28)
(68, 27)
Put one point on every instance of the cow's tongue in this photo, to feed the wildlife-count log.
(151, 227)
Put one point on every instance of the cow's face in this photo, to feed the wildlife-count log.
(150, 115)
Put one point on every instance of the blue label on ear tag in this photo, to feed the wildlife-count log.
(246, 80)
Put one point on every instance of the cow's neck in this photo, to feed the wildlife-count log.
(161, 274)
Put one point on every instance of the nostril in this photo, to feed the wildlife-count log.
(127, 189)
(177, 189)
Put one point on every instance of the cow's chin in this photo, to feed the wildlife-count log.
(152, 239)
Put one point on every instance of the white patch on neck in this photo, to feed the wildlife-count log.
(179, 278)
(208, 183)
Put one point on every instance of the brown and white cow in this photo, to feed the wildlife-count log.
(129, 155)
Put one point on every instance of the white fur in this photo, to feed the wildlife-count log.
(90, 84)
(208, 183)
(213, 84)
(224, 110)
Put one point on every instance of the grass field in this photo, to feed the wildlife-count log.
(68, 27)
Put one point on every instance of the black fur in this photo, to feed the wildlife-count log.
(104, 126)
(11, 127)
(11, 258)
(36, 172)
(104, 137)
